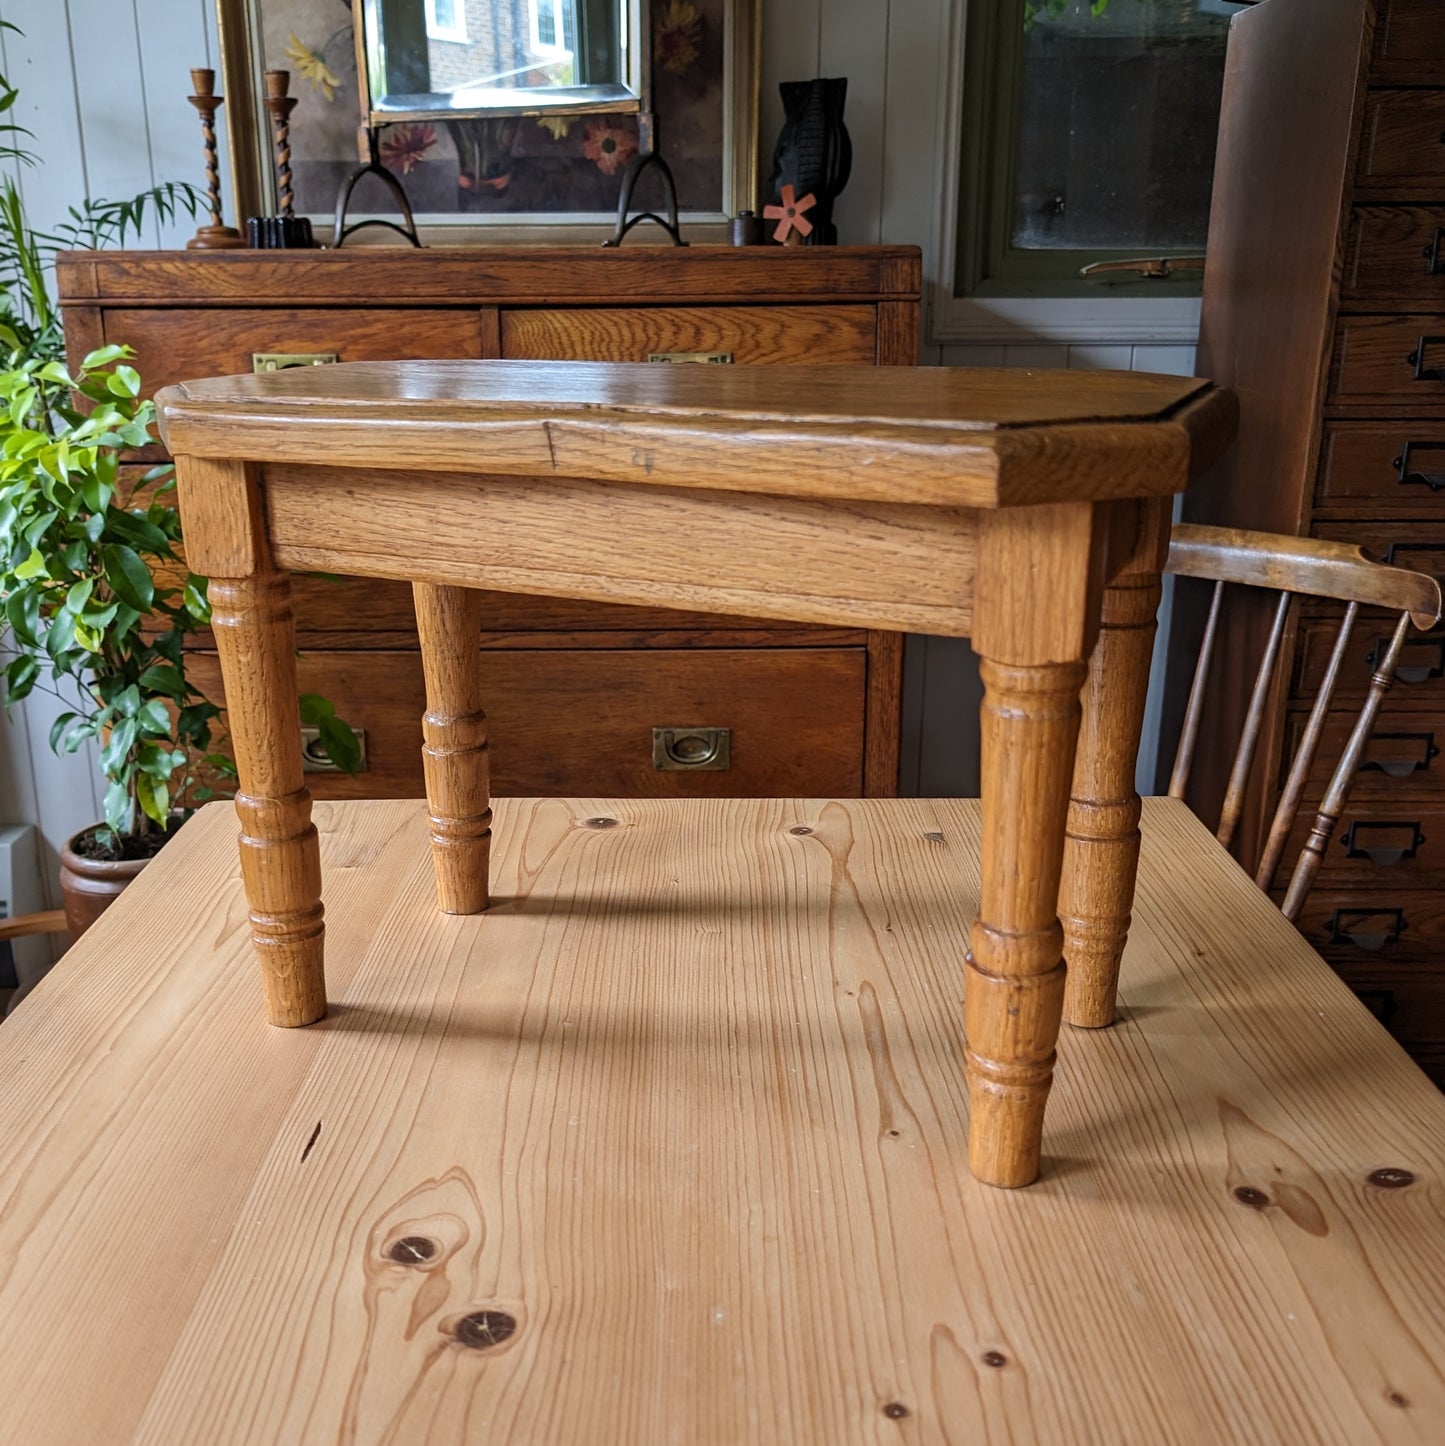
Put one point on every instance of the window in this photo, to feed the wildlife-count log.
(446, 20)
(554, 25)
(1089, 131)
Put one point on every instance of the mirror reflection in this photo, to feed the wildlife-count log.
(488, 57)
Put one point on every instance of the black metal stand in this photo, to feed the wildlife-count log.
(635, 168)
(375, 168)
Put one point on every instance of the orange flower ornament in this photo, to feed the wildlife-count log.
(790, 218)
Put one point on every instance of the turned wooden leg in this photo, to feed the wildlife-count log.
(280, 856)
(1036, 606)
(454, 751)
(1101, 855)
(1014, 996)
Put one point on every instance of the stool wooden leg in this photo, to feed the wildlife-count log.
(1014, 996)
(454, 751)
(1036, 606)
(1101, 856)
(280, 856)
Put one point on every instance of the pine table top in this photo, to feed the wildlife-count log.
(670, 1146)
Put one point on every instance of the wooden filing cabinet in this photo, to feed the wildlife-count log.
(1325, 310)
(582, 695)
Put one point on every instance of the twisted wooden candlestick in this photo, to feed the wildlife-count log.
(281, 105)
(215, 237)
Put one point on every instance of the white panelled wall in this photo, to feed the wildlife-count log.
(103, 86)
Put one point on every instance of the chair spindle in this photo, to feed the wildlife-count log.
(1194, 711)
(1304, 758)
(1253, 722)
(1338, 792)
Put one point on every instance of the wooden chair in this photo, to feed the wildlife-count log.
(1296, 566)
(23, 926)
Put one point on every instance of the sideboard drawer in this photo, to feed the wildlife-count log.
(1419, 673)
(1377, 845)
(184, 345)
(1403, 764)
(821, 335)
(569, 722)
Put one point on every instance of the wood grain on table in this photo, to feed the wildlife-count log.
(685, 1113)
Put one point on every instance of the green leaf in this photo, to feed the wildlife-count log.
(165, 679)
(58, 727)
(137, 530)
(124, 382)
(128, 576)
(196, 600)
(22, 612)
(34, 566)
(341, 744)
(20, 678)
(126, 701)
(314, 708)
(117, 806)
(116, 754)
(103, 357)
(154, 719)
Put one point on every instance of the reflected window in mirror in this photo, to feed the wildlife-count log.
(446, 20)
(493, 57)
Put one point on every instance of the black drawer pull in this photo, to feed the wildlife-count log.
(1431, 651)
(1369, 929)
(1433, 253)
(1400, 763)
(1412, 477)
(1417, 360)
(1386, 855)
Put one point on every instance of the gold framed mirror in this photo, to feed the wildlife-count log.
(541, 164)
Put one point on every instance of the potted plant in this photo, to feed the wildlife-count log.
(97, 601)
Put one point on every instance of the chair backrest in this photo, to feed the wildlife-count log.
(1294, 566)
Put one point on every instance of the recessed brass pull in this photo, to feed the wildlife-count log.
(315, 758)
(280, 361)
(711, 358)
(692, 750)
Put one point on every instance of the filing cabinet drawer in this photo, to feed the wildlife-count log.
(570, 722)
(1390, 363)
(818, 335)
(1400, 149)
(1402, 767)
(1376, 846)
(1409, 43)
(1383, 468)
(1419, 672)
(1396, 254)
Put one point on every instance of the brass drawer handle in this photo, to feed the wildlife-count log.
(712, 358)
(1412, 477)
(1346, 926)
(280, 361)
(315, 758)
(1386, 854)
(692, 750)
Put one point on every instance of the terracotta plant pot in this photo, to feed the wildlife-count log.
(90, 886)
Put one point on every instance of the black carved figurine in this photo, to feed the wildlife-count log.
(814, 155)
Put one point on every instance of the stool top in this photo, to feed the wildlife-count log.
(974, 437)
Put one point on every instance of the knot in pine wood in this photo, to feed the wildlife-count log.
(1391, 1178)
(483, 1329)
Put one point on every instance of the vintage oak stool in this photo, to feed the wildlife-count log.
(1026, 510)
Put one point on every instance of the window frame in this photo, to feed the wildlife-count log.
(435, 30)
(559, 29)
(1143, 312)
